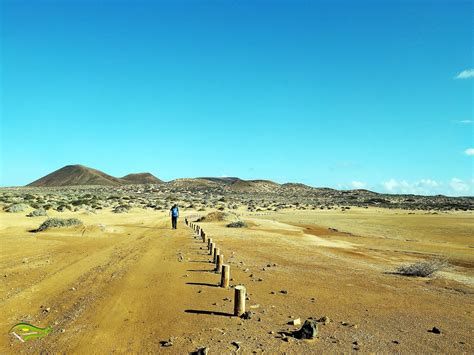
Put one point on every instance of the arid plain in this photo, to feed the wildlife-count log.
(126, 282)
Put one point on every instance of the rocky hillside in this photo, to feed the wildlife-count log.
(141, 178)
(74, 175)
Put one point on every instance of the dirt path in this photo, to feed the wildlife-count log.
(132, 284)
(125, 295)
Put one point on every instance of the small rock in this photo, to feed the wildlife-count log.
(309, 330)
(296, 322)
(167, 343)
(73, 289)
(285, 292)
(247, 315)
(435, 330)
(325, 320)
(201, 351)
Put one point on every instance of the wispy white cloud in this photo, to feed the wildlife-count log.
(420, 187)
(469, 151)
(460, 186)
(353, 185)
(465, 74)
(358, 184)
(454, 187)
(464, 121)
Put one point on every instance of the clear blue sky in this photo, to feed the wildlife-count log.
(374, 94)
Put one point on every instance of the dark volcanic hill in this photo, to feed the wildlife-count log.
(141, 178)
(72, 175)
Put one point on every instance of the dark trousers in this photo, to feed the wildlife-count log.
(174, 222)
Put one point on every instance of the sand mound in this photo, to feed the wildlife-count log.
(214, 217)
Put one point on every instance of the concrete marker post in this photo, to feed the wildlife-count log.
(213, 247)
(217, 251)
(220, 261)
(239, 300)
(225, 276)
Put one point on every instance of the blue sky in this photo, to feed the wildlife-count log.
(341, 94)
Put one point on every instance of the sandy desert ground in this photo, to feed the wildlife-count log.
(128, 283)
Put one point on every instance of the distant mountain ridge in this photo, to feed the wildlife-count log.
(78, 175)
(73, 175)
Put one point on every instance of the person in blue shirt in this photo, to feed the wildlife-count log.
(174, 213)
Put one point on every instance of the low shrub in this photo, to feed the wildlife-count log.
(58, 223)
(238, 224)
(37, 213)
(422, 268)
(16, 207)
(121, 209)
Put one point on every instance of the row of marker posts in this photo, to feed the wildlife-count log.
(221, 268)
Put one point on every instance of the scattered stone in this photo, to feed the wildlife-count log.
(247, 315)
(201, 351)
(167, 343)
(435, 330)
(309, 330)
(236, 344)
(295, 322)
(325, 320)
(285, 292)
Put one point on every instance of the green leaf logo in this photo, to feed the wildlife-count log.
(25, 331)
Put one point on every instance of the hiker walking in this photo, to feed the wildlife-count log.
(174, 213)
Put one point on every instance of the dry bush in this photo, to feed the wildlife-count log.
(422, 268)
(57, 223)
(37, 213)
(238, 224)
(16, 207)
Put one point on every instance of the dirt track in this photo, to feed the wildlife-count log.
(121, 285)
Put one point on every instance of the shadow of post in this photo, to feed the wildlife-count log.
(202, 284)
(211, 313)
